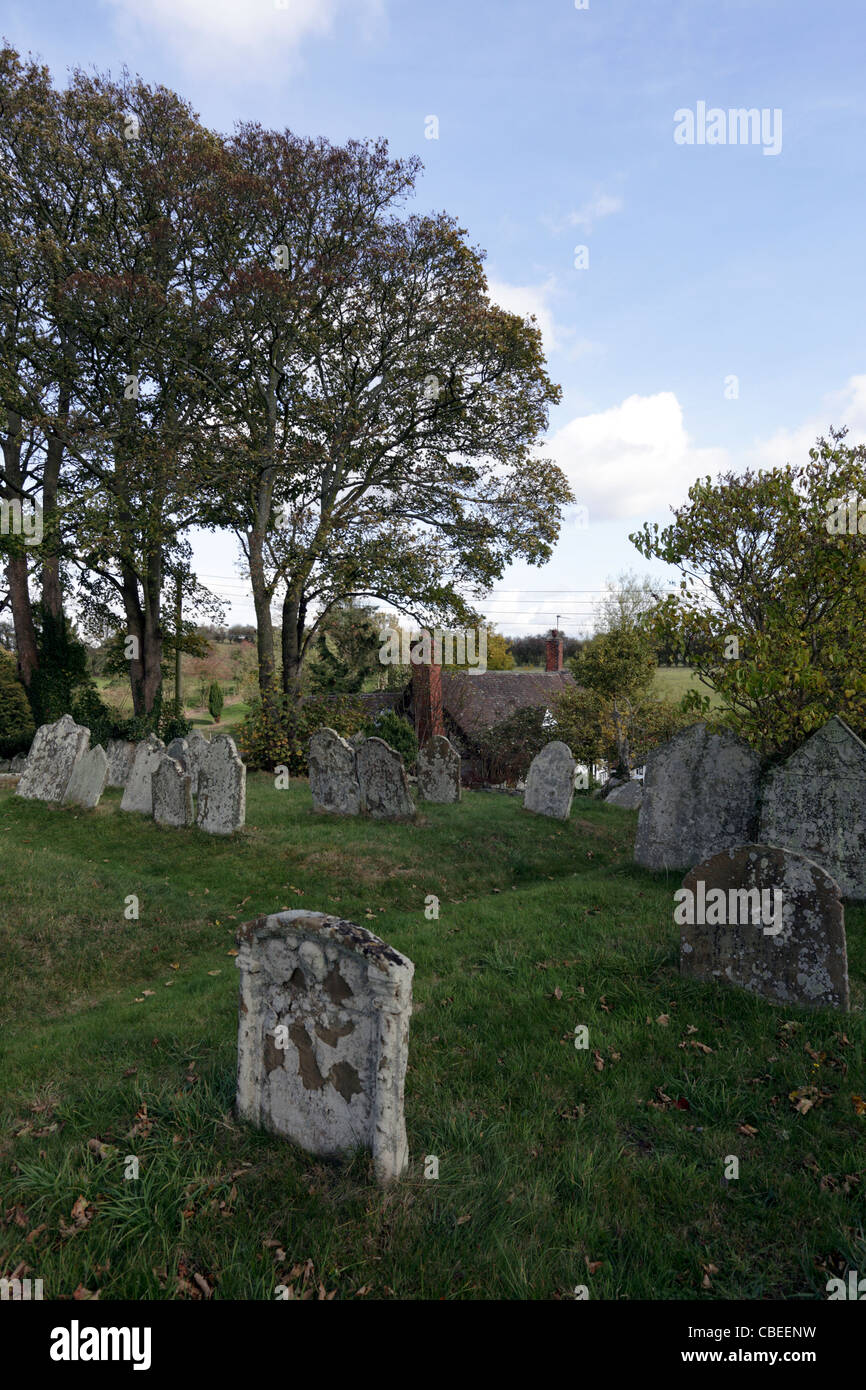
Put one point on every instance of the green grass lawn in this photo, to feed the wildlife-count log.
(672, 682)
(557, 1167)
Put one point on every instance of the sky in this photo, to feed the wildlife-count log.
(701, 303)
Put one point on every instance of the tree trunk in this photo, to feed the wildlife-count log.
(16, 565)
(52, 596)
(294, 613)
(264, 623)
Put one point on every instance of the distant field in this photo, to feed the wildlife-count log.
(672, 682)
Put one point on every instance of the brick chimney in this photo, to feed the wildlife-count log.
(553, 654)
(427, 701)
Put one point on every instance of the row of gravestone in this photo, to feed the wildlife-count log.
(706, 792)
(61, 767)
(552, 778)
(367, 777)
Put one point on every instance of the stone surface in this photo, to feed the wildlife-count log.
(338, 1000)
(121, 755)
(172, 793)
(179, 750)
(55, 750)
(794, 956)
(439, 771)
(222, 788)
(333, 774)
(383, 783)
(88, 780)
(815, 802)
(550, 781)
(138, 793)
(196, 752)
(700, 795)
(628, 794)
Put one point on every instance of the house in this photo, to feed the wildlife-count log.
(464, 705)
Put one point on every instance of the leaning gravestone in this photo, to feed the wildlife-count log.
(179, 750)
(222, 788)
(700, 795)
(138, 794)
(55, 750)
(121, 755)
(196, 751)
(815, 802)
(88, 779)
(439, 771)
(333, 774)
(323, 1036)
(550, 781)
(628, 794)
(172, 793)
(768, 920)
(383, 783)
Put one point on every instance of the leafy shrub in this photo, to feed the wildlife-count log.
(215, 701)
(508, 748)
(172, 723)
(397, 732)
(89, 709)
(279, 734)
(17, 726)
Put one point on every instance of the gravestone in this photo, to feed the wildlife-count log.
(196, 752)
(550, 781)
(88, 779)
(172, 793)
(815, 802)
(55, 750)
(790, 949)
(121, 755)
(222, 788)
(138, 793)
(323, 1036)
(179, 750)
(439, 771)
(383, 783)
(333, 775)
(628, 794)
(700, 795)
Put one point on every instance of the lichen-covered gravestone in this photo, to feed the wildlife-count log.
(772, 922)
(815, 802)
(628, 795)
(550, 781)
(121, 756)
(323, 1036)
(179, 750)
(333, 775)
(383, 782)
(196, 751)
(439, 771)
(172, 793)
(88, 779)
(700, 795)
(138, 793)
(55, 750)
(222, 788)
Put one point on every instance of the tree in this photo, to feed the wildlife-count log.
(626, 603)
(773, 593)
(215, 701)
(618, 666)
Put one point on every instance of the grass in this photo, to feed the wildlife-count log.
(557, 1167)
(672, 682)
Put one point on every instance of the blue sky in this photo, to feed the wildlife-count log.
(556, 130)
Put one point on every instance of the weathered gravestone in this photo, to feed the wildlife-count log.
(222, 788)
(629, 795)
(88, 779)
(55, 750)
(815, 802)
(333, 774)
(383, 783)
(439, 771)
(172, 793)
(121, 755)
(550, 781)
(179, 750)
(700, 795)
(323, 1036)
(138, 793)
(196, 752)
(768, 920)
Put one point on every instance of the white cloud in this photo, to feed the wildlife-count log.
(845, 407)
(526, 300)
(634, 460)
(224, 33)
(594, 209)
